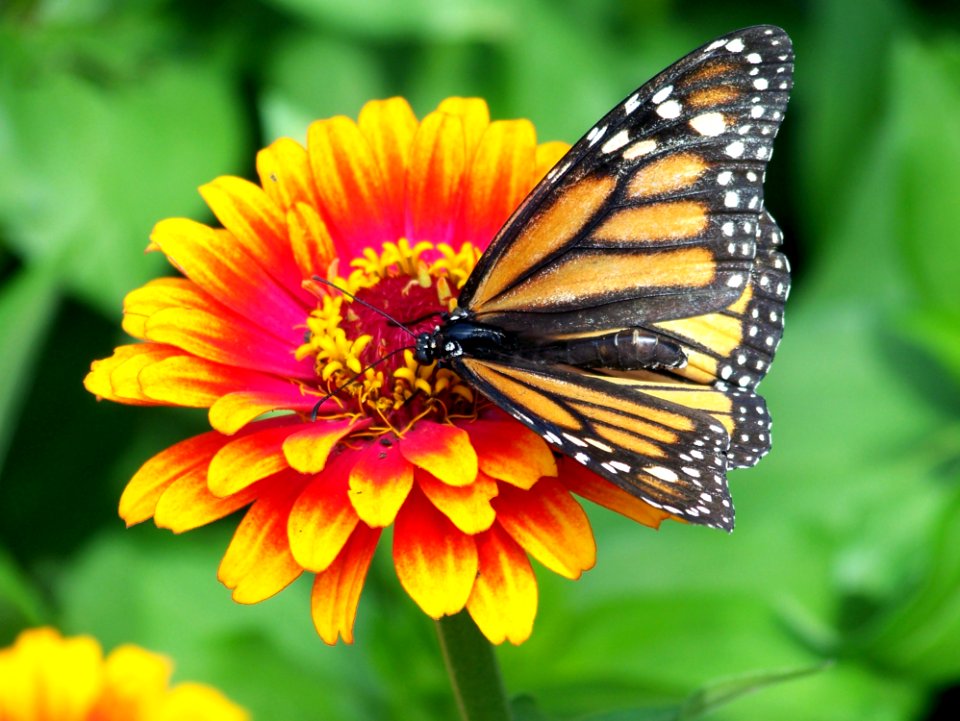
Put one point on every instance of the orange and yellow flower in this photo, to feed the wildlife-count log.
(45, 677)
(323, 423)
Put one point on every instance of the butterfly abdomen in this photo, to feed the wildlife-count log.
(624, 350)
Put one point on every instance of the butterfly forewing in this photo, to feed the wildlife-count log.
(652, 215)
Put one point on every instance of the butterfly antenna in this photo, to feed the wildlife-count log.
(380, 311)
(353, 379)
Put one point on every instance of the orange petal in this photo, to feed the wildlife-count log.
(223, 268)
(188, 503)
(159, 294)
(258, 562)
(589, 485)
(379, 483)
(135, 682)
(39, 662)
(233, 411)
(442, 451)
(475, 116)
(436, 563)
(434, 180)
(336, 591)
(322, 519)
(511, 452)
(467, 506)
(550, 525)
(504, 599)
(193, 382)
(353, 198)
(117, 378)
(548, 155)
(226, 339)
(307, 450)
(259, 226)
(499, 177)
(249, 458)
(285, 174)
(185, 459)
(310, 240)
(196, 702)
(389, 127)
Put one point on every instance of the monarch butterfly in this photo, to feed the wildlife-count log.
(629, 307)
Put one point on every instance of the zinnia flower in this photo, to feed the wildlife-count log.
(323, 423)
(45, 677)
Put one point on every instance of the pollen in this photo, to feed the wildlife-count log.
(361, 335)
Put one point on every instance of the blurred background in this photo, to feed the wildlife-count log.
(848, 538)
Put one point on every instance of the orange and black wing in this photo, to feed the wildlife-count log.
(668, 443)
(653, 215)
(735, 345)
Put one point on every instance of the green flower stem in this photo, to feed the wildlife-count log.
(473, 670)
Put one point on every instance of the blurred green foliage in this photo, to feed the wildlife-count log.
(848, 546)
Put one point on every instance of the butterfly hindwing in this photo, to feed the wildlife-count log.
(736, 344)
(651, 216)
(663, 442)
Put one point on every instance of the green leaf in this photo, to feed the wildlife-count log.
(93, 155)
(721, 693)
(28, 304)
(927, 106)
(21, 604)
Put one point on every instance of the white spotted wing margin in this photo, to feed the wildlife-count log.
(669, 455)
(711, 117)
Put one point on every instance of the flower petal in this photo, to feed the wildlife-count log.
(258, 563)
(436, 563)
(310, 240)
(248, 458)
(226, 339)
(233, 411)
(185, 380)
(188, 503)
(550, 525)
(135, 683)
(197, 702)
(185, 459)
(216, 262)
(307, 450)
(589, 485)
(39, 661)
(437, 164)
(475, 116)
(350, 184)
(284, 170)
(467, 506)
(499, 177)
(322, 519)
(117, 378)
(511, 452)
(336, 591)
(389, 126)
(504, 599)
(443, 451)
(259, 226)
(158, 294)
(379, 483)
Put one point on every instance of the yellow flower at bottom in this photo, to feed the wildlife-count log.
(45, 677)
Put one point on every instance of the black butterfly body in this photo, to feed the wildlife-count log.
(634, 300)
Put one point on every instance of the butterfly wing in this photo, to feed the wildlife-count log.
(652, 215)
(668, 443)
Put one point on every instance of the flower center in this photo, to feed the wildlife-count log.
(363, 348)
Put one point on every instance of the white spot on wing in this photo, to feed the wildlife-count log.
(638, 149)
(616, 142)
(662, 94)
(709, 124)
(669, 110)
